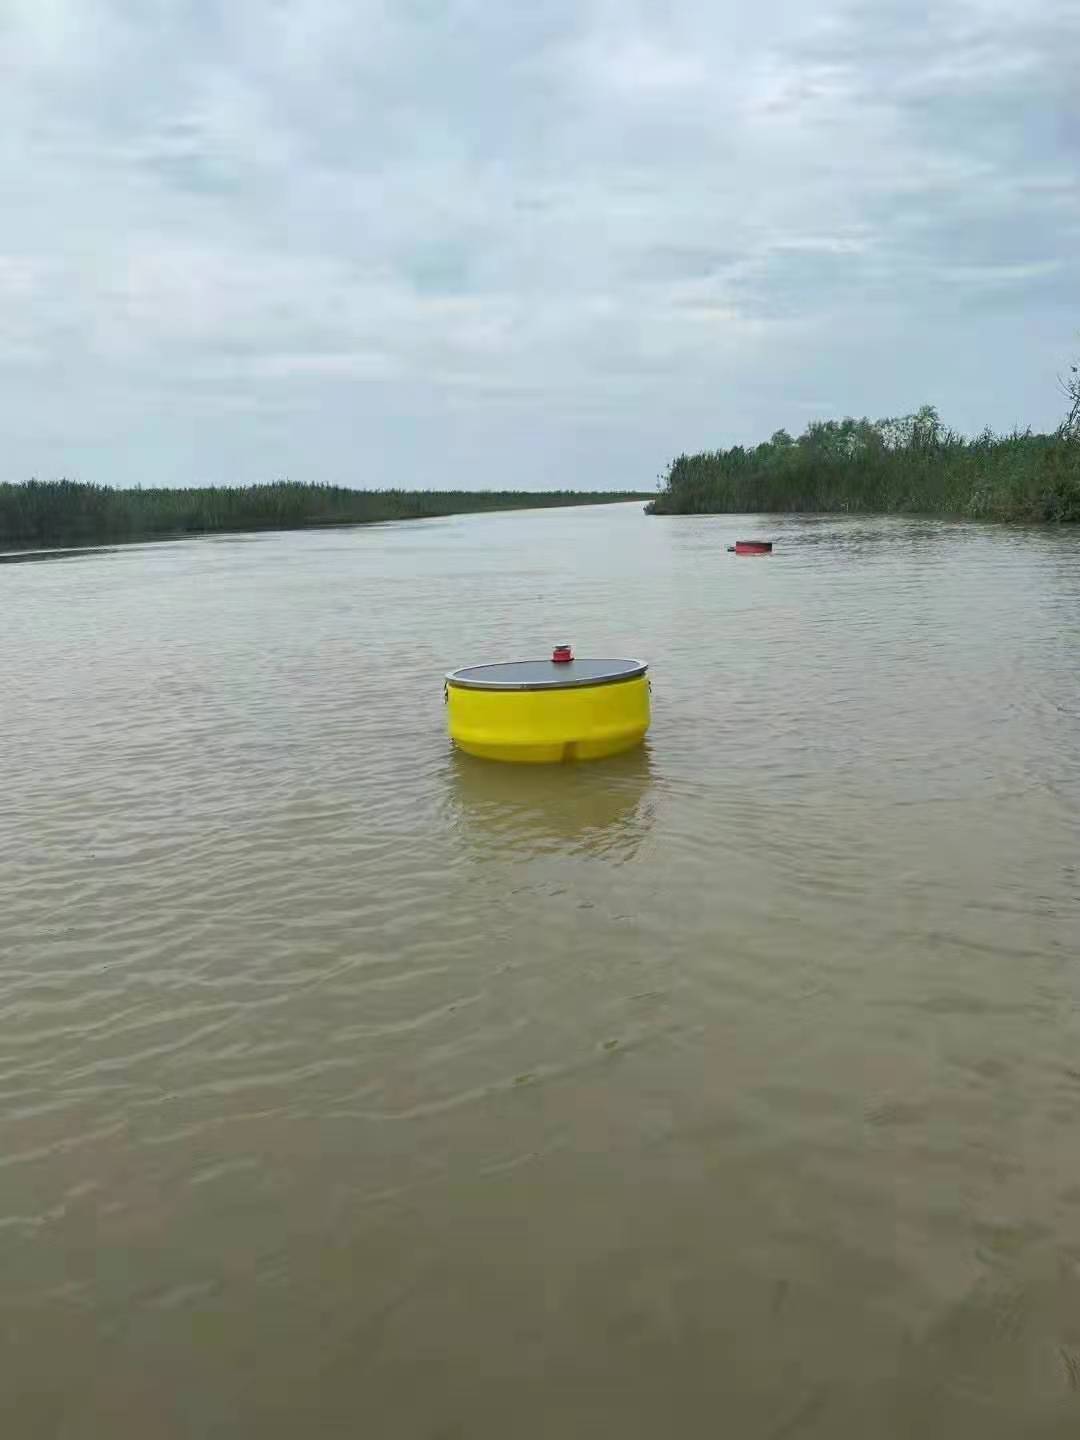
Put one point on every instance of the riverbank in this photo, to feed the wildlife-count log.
(65, 512)
(912, 465)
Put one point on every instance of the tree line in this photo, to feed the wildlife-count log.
(911, 464)
(67, 512)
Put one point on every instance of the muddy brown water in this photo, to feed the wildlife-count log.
(352, 1087)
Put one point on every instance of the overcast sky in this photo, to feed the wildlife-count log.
(550, 243)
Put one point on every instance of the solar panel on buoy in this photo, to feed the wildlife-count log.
(545, 711)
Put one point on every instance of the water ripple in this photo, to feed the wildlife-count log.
(311, 1028)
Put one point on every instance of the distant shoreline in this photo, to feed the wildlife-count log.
(910, 465)
(65, 514)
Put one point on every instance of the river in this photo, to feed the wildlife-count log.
(349, 1086)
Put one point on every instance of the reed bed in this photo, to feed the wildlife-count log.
(911, 465)
(66, 512)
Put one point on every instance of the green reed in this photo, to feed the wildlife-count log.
(911, 465)
(66, 512)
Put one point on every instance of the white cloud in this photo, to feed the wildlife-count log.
(241, 238)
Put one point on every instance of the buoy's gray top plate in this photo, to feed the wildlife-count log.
(545, 674)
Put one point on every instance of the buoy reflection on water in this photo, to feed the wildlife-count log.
(597, 809)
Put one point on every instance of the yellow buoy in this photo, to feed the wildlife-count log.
(539, 712)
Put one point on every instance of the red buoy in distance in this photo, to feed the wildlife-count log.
(562, 655)
(752, 547)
